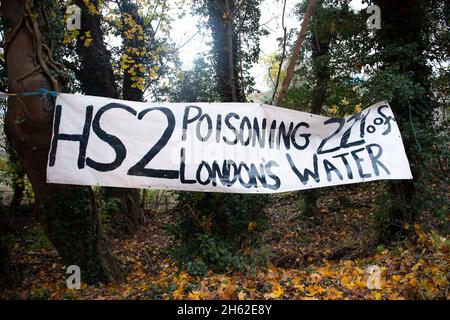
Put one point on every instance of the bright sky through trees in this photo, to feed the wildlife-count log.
(185, 28)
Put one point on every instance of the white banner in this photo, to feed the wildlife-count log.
(219, 147)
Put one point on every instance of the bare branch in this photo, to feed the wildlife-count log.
(283, 53)
(187, 41)
(295, 55)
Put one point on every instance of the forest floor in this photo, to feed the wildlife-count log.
(310, 261)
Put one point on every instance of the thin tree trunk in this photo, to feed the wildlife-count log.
(404, 25)
(135, 216)
(283, 53)
(137, 41)
(224, 50)
(96, 73)
(322, 77)
(296, 53)
(97, 78)
(230, 50)
(68, 214)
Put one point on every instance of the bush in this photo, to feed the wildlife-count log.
(429, 159)
(219, 232)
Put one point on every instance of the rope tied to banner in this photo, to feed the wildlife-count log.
(45, 93)
(413, 127)
(411, 74)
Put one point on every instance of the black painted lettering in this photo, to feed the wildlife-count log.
(199, 127)
(187, 120)
(341, 123)
(375, 158)
(277, 182)
(329, 168)
(347, 165)
(358, 161)
(251, 179)
(245, 123)
(112, 140)
(205, 165)
(304, 178)
(139, 168)
(285, 135)
(259, 134)
(183, 179)
(82, 138)
(232, 128)
(303, 135)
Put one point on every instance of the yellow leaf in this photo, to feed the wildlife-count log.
(241, 295)
(88, 42)
(345, 281)
(153, 74)
(277, 290)
(178, 293)
(297, 284)
(377, 295)
(194, 295)
(334, 109)
(396, 278)
(361, 284)
(270, 295)
(314, 290)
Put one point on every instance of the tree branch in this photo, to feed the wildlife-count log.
(295, 55)
(283, 53)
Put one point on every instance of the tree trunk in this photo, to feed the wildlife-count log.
(131, 89)
(67, 213)
(6, 272)
(224, 50)
(295, 54)
(134, 213)
(230, 50)
(97, 78)
(402, 42)
(320, 58)
(96, 73)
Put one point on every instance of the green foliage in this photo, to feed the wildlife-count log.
(333, 53)
(147, 53)
(401, 69)
(195, 84)
(219, 232)
(106, 205)
(40, 294)
(11, 176)
(74, 231)
(404, 64)
(37, 239)
(247, 31)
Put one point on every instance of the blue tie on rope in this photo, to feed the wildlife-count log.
(45, 93)
(42, 92)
